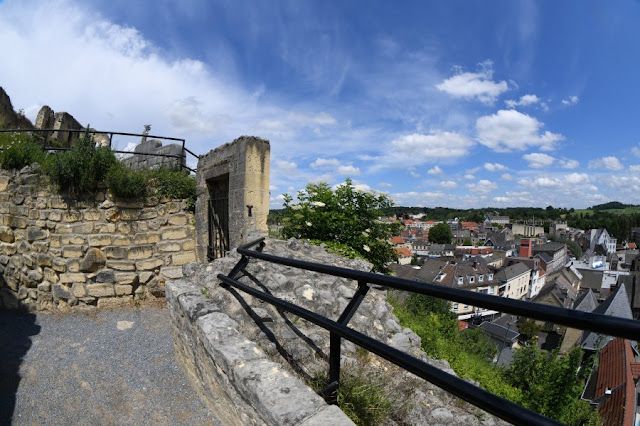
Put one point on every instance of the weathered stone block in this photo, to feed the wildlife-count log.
(122, 290)
(7, 235)
(178, 220)
(73, 265)
(72, 251)
(99, 240)
(44, 259)
(106, 228)
(146, 238)
(120, 240)
(8, 249)
(139, 252)
(91, 215)
(121, 265)
(71, 216)
(100, 290)
(59, 265)
(149, 265)
(106, 276)
(72, 277)
(172, 272)
(60, 291)
(93, 260)
(16, 222)
(129, 214)
(174, 233)
(82, 228)
(182, 258)
(71, 239)
(34, 276)
(189, 245)
(34, 234)
(4, 182)
(114, 252)
(78, 290)
(169, 246)
(146, 276)
(156, 287)
(50, 275)
(41, 246)
(44, 287)
(55, 215)
(148, 214)
(58, 203)
(126, 278)
(114, 302)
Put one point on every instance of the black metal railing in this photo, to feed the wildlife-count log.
(487, 401)
(48, 132)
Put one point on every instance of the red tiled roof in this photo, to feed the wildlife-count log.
(632, 245)
(403, 252)
(397, 240)
(616, 379)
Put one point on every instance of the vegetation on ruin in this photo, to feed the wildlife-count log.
(86, 167)
(543, 381)
(345, 218)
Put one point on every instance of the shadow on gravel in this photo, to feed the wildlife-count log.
(16, 329)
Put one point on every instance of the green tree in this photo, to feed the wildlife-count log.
(346, 217)
(467, 242)
(440, 234)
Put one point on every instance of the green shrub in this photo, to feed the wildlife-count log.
(172, 183)
(19, 150)
(82, 168)
(364, 397)
(126, 183)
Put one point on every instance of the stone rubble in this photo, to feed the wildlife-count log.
(302, 347)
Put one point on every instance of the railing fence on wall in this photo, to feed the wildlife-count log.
(487, 401)
(48, 132)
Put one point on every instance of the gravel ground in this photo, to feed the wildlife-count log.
(111, 367)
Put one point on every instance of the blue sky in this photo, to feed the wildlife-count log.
(457, 103)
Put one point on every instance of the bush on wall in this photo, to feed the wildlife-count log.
(19, 150)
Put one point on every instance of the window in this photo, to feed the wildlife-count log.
(455, 307)
(483, 290)
(490, 277)
(441, 277)
(460, 280)
(471, 279)
(480, 278)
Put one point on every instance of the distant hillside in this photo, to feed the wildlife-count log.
(612, 205)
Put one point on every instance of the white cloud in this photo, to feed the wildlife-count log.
(435, 171)
(635, 168)
(538, 160)
(417, 148)
(482, 186)
(288, 166)
(414, 174)
(506, 176)
(609, 163)
(571, 100)
(448, 184)
(413, 198)
(385, 185)
(510, 130)
(348, 170)
(569, 164)
(493, 167)
(523, 101)
(501, 199)
(562, 181)
(325, 162)
(635, 151)
(469, 176)
(319, 119)
(479, 85)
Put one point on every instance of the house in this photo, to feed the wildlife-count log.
(527, 230)
(612, 385)
(404, 255)
(501, 240)
(558, 228)
(537, 274)
(499, 220)
(421, 247)
(556, 255)
(505, 340)
(441, 250)
(615, 305)
(526, 247)
(469, 275)
(514, 280)
(475, 251)
(602, 237)
(471, 226)
(586, 302)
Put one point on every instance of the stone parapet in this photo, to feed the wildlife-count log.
(57, 253)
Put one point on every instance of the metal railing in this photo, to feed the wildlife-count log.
(48, 132)
(487, 401)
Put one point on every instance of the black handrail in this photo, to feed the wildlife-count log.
(487, 401)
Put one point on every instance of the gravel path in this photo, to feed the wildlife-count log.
(112, 367)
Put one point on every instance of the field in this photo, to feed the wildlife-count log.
(626, 210)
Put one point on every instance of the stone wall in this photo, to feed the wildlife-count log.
(56, 252)
(139, 161)
(242, 169)
(242, 353)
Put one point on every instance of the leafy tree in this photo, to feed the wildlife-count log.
(345, 216)
(440, 234)
(467, 242)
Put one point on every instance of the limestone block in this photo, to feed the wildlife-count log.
(73, 265)
(169, 246)
(41, 246)
(16, 222)
(149, 265)
(55, 215)
(122, 290)
(106, 276)
(100, 290)
(44, 287)
(72, 251)
(71, 239)
(146, 238)
(114, 252)
(72, 277)
(78, 290)
(182, 258)
(129, 204)
(4, 182)
(146, 276)
(4, 260)
(151, 202)
(156, 287)
(50, 275)
(8, 249)
(125, 278)
(35, 276)
(148, 214)
(71, 216)
(139, 252)
(82, 228)
(121, 265)
(7, 235)
(171, 272)
(34, 233)
(188, 245)
(177, 219)
(172, 207)
(91, 215)
(121, 240)
(63, 229)
(59, 265)
(93, 260)
(99, 240)
(124, 228)
(130, 214)
(174, 233)
(23, 247)
(106, 228)
(60, 291)
(58, 203)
